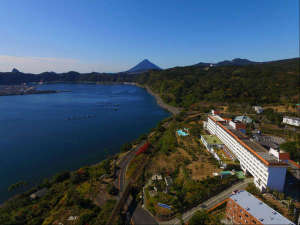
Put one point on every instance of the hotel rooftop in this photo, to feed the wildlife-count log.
(258, 209)
(254, 147)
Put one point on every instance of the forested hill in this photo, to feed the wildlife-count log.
(271, 82)
(16, 77)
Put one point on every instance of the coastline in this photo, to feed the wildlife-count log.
(172, 109)
(2, 202)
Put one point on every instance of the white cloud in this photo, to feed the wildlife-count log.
(42, 64)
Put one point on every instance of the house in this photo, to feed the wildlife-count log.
(258, 109)
(243, 208)
(156, 177)
(294, 121)
(243, 119)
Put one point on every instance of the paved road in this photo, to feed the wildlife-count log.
(142, 217)
(121, 173)
(209, 203)
(139, 215)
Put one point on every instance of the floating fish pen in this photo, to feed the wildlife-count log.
(81, 117)
(108, 105)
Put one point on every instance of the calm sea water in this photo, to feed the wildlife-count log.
(41, 135)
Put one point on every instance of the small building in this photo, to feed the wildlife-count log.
(294, 121)
(214, 112)
(156, 177)
(243, 208)
(258, 109)
(237, 125)
(243, 119)
(280, 155)
(39, 193)
(72, 218)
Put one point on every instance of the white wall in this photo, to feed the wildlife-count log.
(274, 152)
(248, 161)
(211, 126)
(291, 121)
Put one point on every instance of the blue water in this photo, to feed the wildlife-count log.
(182, 133)
(43, 134)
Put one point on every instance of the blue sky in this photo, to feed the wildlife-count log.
(114, 35)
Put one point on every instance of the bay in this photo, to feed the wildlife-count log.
(43, 134)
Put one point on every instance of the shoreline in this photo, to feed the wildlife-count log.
(172, 109)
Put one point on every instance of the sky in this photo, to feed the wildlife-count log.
(114, 35)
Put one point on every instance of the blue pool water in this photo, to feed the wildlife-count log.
(225, 173)
(182, 133)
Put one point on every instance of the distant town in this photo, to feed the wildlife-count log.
(23, 89)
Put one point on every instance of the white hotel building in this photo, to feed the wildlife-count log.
(266, 169)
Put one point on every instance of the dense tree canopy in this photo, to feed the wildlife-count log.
(293, 148)
(273, 82)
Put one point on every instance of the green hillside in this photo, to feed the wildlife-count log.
(271, 82)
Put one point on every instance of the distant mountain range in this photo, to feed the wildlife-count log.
(234, 62)
(18, 77)
(143, 66)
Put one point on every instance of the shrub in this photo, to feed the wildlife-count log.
(60, 177)
(79, 176)
(111, 189)
(126, 147)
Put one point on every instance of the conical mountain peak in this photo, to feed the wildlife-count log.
(143, 66)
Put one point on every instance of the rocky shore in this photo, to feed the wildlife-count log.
(172, 109)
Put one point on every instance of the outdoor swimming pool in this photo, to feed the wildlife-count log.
(182, 133)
